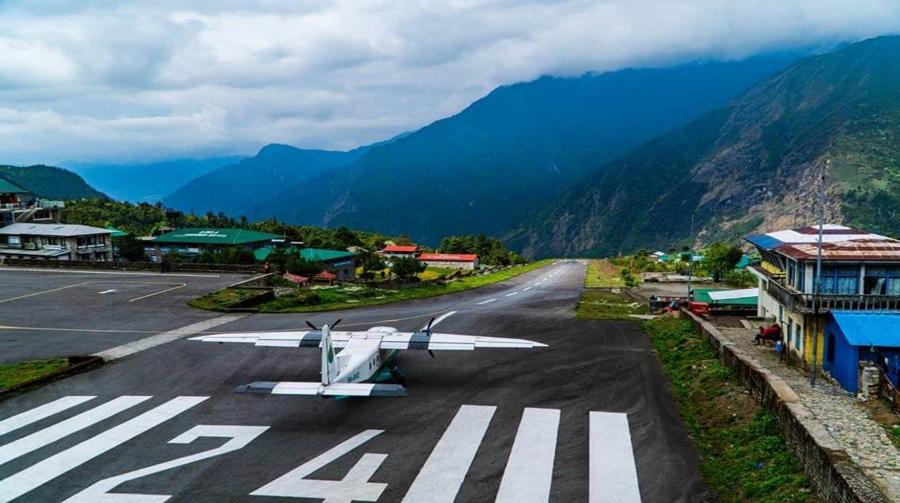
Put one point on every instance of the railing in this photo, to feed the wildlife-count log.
(890, 393)
(805, 302)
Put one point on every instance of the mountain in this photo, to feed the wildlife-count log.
(236, 188)
(754, 164)
(512, 151)
(147, 182)
(49, 182)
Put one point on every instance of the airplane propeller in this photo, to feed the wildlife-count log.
(310, 325)
(428, 331)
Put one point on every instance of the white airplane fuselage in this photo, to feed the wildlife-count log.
(360, 360)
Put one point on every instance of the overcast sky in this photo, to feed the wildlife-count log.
(130, 81)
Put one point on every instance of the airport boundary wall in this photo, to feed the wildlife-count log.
(836, 478)
(134, 266)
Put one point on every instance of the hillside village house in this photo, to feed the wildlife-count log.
(466, 261)
(191, 241)
(860, 274)
(399, 251)
(55, 242)
(17, 205)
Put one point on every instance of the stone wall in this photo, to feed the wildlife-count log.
(834, 476)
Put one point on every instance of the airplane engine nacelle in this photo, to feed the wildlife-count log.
(382, 330)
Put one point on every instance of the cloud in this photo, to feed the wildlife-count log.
(139, 81)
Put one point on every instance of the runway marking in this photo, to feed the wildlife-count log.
(440, 319)
(44, 291)
(612, 471)
(104, 292)
(487, 301)
(158, 339)
(41, 412)
(513, 293)
(40, 473)
(529, 471)
(182, 285)
(527, 288)
(355, 486)
(238, 437)
(442, 475)
(111, 273)
(62, 429)
(91, 330)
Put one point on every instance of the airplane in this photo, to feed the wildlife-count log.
(365, 360)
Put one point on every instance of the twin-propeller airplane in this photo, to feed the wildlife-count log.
(365, 359)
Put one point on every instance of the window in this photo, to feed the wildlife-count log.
(882, 281)
(840, 279)
(790, 330)
(798, 336)
(792, 273)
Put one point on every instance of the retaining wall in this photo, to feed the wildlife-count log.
(828, 466)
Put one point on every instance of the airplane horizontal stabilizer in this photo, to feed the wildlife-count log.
(317, 389)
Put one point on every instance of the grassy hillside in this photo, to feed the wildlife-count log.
(754, 164)
(49, 182)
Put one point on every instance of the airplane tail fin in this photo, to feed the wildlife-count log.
(329, 366)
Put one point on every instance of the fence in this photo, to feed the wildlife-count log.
(890, 393)
(135, 266)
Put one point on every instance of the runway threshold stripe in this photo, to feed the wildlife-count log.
(612, 472)
(157, 293)
(40, 473)
(62, 429)
(487, 302)
(442, 475)
(529, 470)
(41, 412)
(158, 339)
(511, 294)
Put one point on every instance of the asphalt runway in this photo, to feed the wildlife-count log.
(590, 418)
(51, 313)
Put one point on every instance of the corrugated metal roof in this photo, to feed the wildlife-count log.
(59, 230)
(838, 243)
(706, 295)
(7, 187)
(215, 236)
(400, 249)
(313, 254)
(869, 329)
(846, 250)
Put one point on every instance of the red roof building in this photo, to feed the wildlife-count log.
(400, 250)
(450, 260)
(326, 276)
(293, 278)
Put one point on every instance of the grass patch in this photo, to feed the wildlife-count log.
(603, 274)
(598, 303)
(743, 457)
(331, 298)
(12, 374)
(223, 299)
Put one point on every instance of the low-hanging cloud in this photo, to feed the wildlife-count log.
(84, 80)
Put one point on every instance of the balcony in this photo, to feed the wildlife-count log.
(805, 302)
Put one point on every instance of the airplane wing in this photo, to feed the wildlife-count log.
(304, 339)
(316, 389)
(452, 342)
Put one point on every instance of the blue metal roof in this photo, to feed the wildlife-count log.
(869, 329)
(764, 241)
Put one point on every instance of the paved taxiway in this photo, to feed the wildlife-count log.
(476, 427)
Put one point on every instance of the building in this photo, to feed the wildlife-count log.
(860, 272)
(191, 241)
(398, 251)
(55, 242)
(465, 261)
(854, 340)
(342, 264)
(18, 205)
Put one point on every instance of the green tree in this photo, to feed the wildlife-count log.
(720, 259)
(370, 263)
(132, 249)
(295, 264)
(407, 267)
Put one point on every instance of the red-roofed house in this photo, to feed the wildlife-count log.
(391, 251)
(467, 261)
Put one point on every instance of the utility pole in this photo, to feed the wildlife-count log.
(817, 284)
(691, 259)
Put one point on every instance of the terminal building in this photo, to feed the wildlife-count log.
(191, 241)
(55, 242)
(465, 261)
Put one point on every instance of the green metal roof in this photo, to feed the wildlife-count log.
(215, 236)
(702, 295)
(312, 254)
(7, 187)
(116, 233)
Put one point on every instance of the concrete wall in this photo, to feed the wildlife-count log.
(828, 467)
